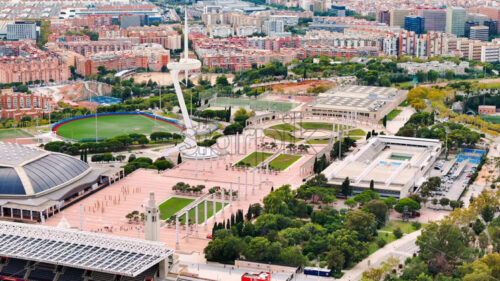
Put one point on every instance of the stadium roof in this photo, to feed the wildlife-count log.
(79, 249)
(29, 171)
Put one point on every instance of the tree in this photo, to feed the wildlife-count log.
(379, 209)
(162, 165)
(390, 202)
(222, 81)
(368, 135)
(444, 201)
(443, 239)
(372, 185)
(362, 222)
(346, 187)
(432, 75)
(335, 259)
(351, 203)
(478, 226)
(293, 256)
(224, 249)
(179, 159)
(487, 213)
(384, 121)
(407, 202)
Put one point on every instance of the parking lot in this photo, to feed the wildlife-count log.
(454, 176)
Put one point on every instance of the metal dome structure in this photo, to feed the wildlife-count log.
(34, 180)
(28, 171)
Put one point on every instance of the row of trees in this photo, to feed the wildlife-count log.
(146, 163)
(118, 143)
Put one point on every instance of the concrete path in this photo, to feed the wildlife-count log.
(401, 249)
(398, 122)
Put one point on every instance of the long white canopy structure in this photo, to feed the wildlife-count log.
(78, 249)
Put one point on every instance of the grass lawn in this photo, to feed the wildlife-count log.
(393, 114)
(255, 158)
(316, 125)
(283, 161)
(406, 227)
(325, 141)
(388, 237)
(280, 135)
(404, 104)
(13, 133)
(172, 206)
(284, 127)
(491, 118)
(201, 212)
(254, 104)
(112, 126)
(356, 132)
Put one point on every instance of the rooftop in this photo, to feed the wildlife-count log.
(357, 98)
(79, 249)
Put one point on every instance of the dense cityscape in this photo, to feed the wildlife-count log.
(252, 140)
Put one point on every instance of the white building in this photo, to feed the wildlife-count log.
(247, 30)
(21, 30)
(220, 30)
(395, 164)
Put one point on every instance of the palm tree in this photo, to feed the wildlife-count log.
(291, 146)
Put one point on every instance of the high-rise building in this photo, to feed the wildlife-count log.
(479, 33)
(398, 17)
(492, 26)
(339, 10)
(21, 30)
(384, 17)
(435, 19)
(455, 20)
(468, 25)
(415, 23)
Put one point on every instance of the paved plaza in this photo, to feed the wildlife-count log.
(106, 210)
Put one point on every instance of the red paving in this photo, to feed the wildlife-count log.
(105, 211)
(20, 141)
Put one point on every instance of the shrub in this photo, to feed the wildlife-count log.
(417, 225)
(381, 242)
(398, 233)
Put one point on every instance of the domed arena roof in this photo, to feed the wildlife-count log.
(26, 171)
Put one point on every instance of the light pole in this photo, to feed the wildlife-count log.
(446, 143)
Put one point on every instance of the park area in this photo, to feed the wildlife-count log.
(110, 126)
(283, 161)
(254, 159)
(284, 132)
(254, 104)
(6, 134)
(174, 204)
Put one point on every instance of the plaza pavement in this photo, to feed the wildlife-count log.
(105, 211)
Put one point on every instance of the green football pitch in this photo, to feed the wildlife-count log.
(112, 126)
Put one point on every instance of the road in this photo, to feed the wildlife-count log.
(401, 249)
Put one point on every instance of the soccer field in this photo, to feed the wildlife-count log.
(113, 125)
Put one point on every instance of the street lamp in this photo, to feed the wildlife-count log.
(446, 142)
